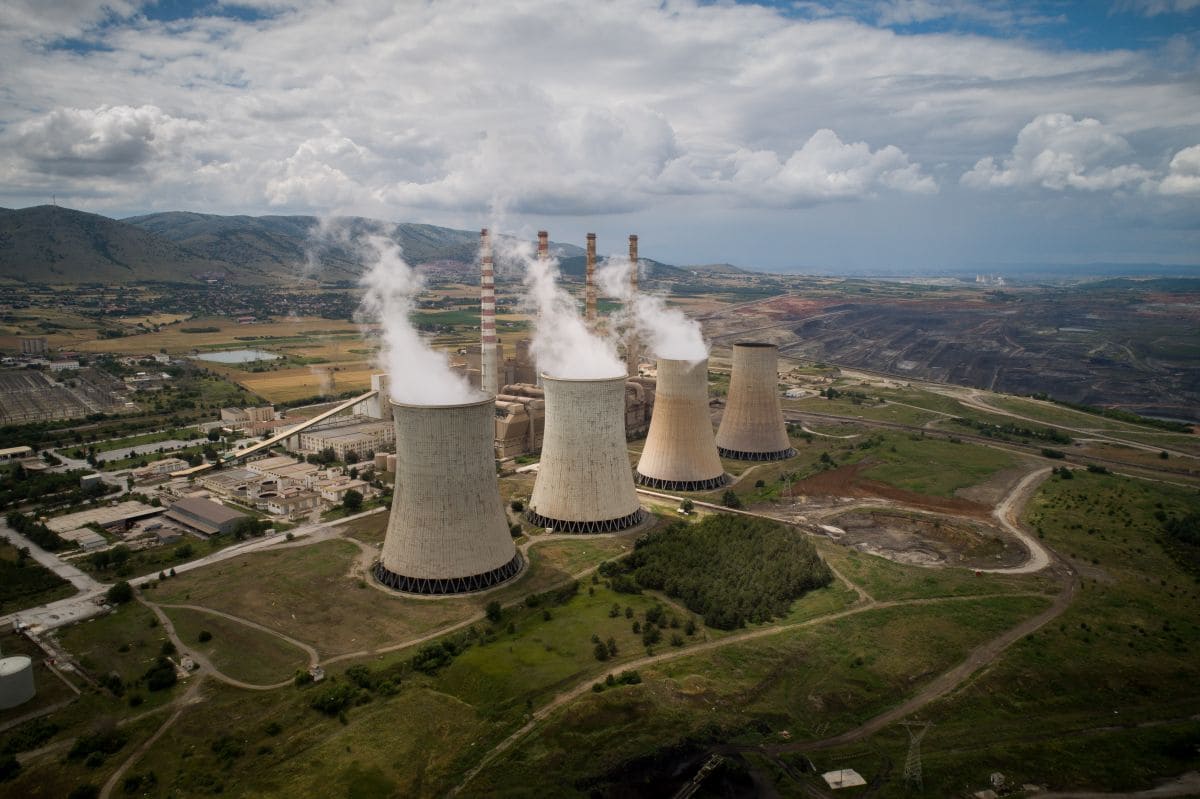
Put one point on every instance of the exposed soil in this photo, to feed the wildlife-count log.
(845, 481)
(927, 540)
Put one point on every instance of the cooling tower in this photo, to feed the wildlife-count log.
(447, 533)
(584, 483)
(752, 427)
(680, 452)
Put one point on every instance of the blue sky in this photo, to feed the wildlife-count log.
(910, 135)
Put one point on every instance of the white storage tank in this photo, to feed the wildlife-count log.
(16, 681)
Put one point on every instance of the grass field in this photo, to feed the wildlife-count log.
(1121, 656)
(25, 583)
(933, 466)
(237, 650)
(229, 333)
(822, 678)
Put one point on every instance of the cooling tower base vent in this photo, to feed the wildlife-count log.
(449, 585)
(604, 526)
(682, 485)
(735, 455)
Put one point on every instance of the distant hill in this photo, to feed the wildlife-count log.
(576, 267)
(49, 244)
(53, 244)
(715, 269)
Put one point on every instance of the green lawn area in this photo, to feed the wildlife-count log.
(934, 466)
(25, 583)
(180, 434)
(823, 678)
(1123, 654)
(867, 409)
(125, 642)
(239, 651)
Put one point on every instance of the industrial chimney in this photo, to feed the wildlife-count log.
(584, 483)
(589, 286)
(680, 453)
(488, 379)
(752, 427)
(632, 355)
(447, 533)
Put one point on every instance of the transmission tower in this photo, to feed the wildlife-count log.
(912, 763)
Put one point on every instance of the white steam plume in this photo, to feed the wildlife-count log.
(417, 374)
(666, 331)
(562, 344)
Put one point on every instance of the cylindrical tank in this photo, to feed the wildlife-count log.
(16, 681)
(680, 452)
(447, 533)
(391, 462)
(584, 482)
(381, 461)
(752, 427)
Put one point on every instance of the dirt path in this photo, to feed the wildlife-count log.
(1008, 512)
(313, 658)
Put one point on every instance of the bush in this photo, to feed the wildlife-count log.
(119, 593)
(161, 675)
(517, 505)
(493, 612)
(731, 500)
(600, 651)
(9, 767)
(204, 636)
(336, 699)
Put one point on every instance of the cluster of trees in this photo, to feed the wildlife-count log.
(37, 532)
(21, 578)
(1181, 538)
(731, 570)
(18, 486)
(1007, 430)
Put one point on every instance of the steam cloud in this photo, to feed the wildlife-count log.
(417, 374)
(562, 344)
(667, 331)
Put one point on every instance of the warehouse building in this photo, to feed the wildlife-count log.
(204, 516)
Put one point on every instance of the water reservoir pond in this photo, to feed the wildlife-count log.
(237, 356)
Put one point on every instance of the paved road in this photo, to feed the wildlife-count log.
(81, 580)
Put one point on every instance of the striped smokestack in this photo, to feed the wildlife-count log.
(589, 290)
(487, 316)
(543, 255)
(631, 344)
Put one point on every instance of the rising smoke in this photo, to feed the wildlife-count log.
(666, 331)
(417, 374)
(562, 344)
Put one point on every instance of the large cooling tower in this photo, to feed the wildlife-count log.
(584, 483)
(680, 453)
(447, 533)
(752, 428)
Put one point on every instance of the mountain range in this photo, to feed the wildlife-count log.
(51, 244)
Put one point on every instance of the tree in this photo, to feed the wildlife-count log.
(600, 651)
(352, 500)
(731, 500)
(687, 506)
(493, 611)
(119, 593)
(351, 457)
(214, 435)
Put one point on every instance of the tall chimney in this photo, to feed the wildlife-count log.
(543, 255)
(631, 343)
(488, 380)
(589, 290)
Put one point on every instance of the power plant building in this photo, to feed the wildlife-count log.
(680, 452)
(447, 533)
(584, 482)
(752, 427)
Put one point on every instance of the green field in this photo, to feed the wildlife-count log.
(237, 650)
(933, 466)
(25, 583)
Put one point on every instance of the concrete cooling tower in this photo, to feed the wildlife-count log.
(752, 428)
(584, 483)
(680, 453)
(447, 533)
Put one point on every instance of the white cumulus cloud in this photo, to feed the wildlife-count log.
(1057, 151)
(1183, 173)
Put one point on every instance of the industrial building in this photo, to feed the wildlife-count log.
(680, 453)
(360, 435)
(204, 516)
(447, 533)
(34, 346)
(752, 427)
(584, 483)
